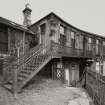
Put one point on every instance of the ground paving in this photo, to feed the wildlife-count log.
(44, 91)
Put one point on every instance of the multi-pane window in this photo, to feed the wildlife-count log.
(68, 43)
(79, 41)
(104, 47)
(43, 32)
(72, 38)
(97, 46)
(62, 35)
(100, 67)
(53, 35)
(97, 67)
(103, 68)
(72, 35)
(90, 44)
(43, 29)
(62, 30)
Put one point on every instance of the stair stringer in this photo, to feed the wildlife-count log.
(33, 74)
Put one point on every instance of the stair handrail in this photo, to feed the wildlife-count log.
(36, 54)
(22, 57)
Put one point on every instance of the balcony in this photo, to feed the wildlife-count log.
(70, 51)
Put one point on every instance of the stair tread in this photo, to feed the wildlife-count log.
(26, 71)
(8, 86)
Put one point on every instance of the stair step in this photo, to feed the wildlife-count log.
(10, 82)
(20, 79)
(26, 72)
(8, 86)
(29, 68)
(23, 75)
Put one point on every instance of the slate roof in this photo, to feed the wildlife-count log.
(14, 25)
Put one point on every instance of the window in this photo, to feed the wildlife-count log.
(43, 32)
(104, 47)
(72, 39)
(103, 68)
(68, 43)
(90, 40)
(100, 67)
(89, 44)
(81, 42)
(62, 39)
(97, 46)
(43, 29)
(72, 34)
(77, 41)
(53, 35)
(62, 31)
(103, 43)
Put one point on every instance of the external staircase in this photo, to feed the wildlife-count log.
(22, 70)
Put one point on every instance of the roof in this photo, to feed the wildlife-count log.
(14, 25)
(52, 13)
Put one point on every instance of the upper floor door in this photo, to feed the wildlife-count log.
(3, 42)
(62, 39)
(42, 35)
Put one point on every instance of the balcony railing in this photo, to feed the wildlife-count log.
(70, 51)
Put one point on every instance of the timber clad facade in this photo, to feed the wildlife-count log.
(61, 52)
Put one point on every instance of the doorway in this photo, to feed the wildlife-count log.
(43, 32)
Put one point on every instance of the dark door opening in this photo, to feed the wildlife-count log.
(81, 69)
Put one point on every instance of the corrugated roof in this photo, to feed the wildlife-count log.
(14, 25)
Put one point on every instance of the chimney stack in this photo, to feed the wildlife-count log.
(27, 15)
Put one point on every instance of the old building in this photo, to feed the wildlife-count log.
(62, 52)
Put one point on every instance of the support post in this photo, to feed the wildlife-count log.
(23, 42)
(4, 71)
(8, 40)
(15, 72)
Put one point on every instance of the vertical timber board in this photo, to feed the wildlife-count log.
(23, 42)
(5, 77)
(9, 40)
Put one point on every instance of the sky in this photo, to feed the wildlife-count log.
(88, 15)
